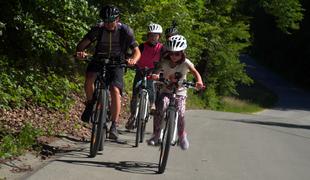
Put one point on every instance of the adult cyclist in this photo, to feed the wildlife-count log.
(113, 39)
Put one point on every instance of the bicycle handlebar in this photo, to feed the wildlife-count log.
(184, 83)
(107, 61)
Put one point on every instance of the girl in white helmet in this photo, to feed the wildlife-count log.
(151, 52)
(176, 61)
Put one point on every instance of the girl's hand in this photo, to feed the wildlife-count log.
(199, 85)
(172, 78)
(81, 55)
(154, 77)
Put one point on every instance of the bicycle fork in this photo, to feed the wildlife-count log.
(145, 97)
(175, 123)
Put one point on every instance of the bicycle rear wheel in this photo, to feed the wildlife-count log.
(166, 143)
(98, 120)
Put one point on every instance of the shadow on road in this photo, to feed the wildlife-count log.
(125, 166)
(271, 123)
(267, 124)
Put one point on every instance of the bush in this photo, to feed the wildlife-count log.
(12, 145)
(19, 87)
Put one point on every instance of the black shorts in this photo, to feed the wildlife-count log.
(115, 75)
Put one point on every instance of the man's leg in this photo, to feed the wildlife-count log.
(89, 86)
(115, 103)
(89, 90)
(116, 87)
(115, 111)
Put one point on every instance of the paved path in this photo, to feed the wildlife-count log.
(223, 146)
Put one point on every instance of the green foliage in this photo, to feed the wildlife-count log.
(227, 36)
(19, 87)
(213, 101)
(288, 13)
(12, 145)
(36, 27)
(128, 80)
(195, 100)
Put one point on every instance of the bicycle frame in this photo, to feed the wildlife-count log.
(100, 84)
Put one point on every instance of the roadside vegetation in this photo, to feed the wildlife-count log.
(250, 99)
(41, 87)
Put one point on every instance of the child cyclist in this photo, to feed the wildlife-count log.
(151, 52)
(176, 61)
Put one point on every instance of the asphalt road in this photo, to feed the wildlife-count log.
(270, 145)
(222, 146)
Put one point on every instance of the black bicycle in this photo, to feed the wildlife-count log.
(101, 114)
(168, 134)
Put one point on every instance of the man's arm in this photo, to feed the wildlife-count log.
(135, 56)
(83, 44)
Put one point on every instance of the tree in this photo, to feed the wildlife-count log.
(37, 29)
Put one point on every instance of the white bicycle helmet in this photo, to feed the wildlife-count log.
(176, 43)
(155, 28)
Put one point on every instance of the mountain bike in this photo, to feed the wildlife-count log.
(101, 100)
(168, 133)
(143, 106)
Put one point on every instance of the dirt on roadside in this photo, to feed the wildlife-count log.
(68, 132)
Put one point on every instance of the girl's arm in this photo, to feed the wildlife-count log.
(199, 83)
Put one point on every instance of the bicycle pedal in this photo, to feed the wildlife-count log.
(153, 112)
(173, 143)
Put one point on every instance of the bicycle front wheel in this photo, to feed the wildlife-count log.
(138, 132)
(166, 143)
(99, 118)
(145, 114)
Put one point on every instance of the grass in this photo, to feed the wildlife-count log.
(232, 104)
(250, 99)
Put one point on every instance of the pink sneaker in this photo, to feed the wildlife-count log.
(184, 144)
(153, 141)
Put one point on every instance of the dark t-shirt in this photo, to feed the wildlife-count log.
(112, 43)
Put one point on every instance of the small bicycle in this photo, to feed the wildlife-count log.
(101, 97)
(168, 134)
(142, 111)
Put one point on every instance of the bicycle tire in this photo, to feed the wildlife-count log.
(104, 136)
(165, 144)
(174, 127)
(99, 116)
(138, 131)
(138, 118)
(146, 115)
